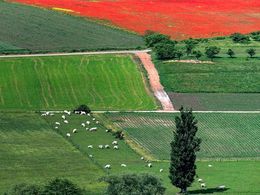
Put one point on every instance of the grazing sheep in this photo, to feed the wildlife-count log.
(68, 134)
(200, 180)
(44, 114)
(51, 114)
(93, 129)
(94, 119)
(107, 166)
(74, 131)
(116, 147)
(90, 146)
(149, 165)
(107, 146)
(82, 113)
(88, 114)
(63, 117)
(67, 112)
(56, 127)
(114, 143)
(87, 122)
(65, 121)
(203, 185)
(83, 124)
(222, 187)
(97, 122)
(142, 158)
(209, 165)
(123, 165)
(108, 130)
(47, 113)
(57, 123)
(100, 146)
(161, 170)
(90, 156)
(76, 112)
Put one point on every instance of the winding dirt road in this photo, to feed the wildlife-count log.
(154, 80)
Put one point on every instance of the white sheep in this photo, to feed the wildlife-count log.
(161, 170)
(123, 165)
(76, 112)
(90, 156)
(209, 165)
(200, 180)
(149, 165)
(82, 113)
(94, 119)
(68, 134)
(107, 131)
(47, 113)
(83, 124)
(63, 117)
(93, 129)
(87, 122)
(51, 114)
(88, 114)
(114, 143)
(90, 146)
(57, 123)
(107, 146)
(74, 131)
(65, 121)
(203, 185)
(221, 187)
(100, 146)
(142, 158)
(97, 122)
(116, 147)
(56, 127)
(107, 166)
(43, 114)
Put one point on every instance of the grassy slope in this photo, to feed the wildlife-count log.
(224, 135)
(221, 173)
(32, 28)
(105, 82)
(33, 153)
(216, 101)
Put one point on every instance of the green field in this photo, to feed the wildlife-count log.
(224, 136)
(217, 101)
(103, 82)
(31, 152)
(222, 173)
(31, 29)
(225, 75)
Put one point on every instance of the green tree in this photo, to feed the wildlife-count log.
(62, 187)
(184, 146)
(251, 52)
(198, 54)
(240, 38)
(152, 38)
(178, 54)
(231, 53)
(165, 51)
(134, 185)
(212, 51)
(25, 189)
(190, 45)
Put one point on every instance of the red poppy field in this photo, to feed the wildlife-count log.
(178, 18)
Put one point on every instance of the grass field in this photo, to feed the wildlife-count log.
(103, 82)
(31, 152)
(217, 101)
(32, 29)
(224, 136)
(222, 173)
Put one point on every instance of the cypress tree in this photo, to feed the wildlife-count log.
(184, 146)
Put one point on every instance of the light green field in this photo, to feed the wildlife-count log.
(103, 82)
(222, 173)
(224, 136)
(31, 152)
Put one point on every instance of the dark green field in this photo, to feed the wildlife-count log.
(30, 29)
(31, 152)
(217, 101)
(103, 82)
(224, 135)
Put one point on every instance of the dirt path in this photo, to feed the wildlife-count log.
(155, 81)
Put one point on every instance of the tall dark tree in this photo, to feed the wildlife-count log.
(165, 51)
(231, 53)
(212, 51)
(178, 54)
(197, 54)
(189, 46)
(184, 146)
(251, 52)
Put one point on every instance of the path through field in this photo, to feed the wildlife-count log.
(155, 81)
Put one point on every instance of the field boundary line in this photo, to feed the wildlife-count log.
(76, 53)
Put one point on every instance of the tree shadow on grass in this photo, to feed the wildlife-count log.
(207, 191)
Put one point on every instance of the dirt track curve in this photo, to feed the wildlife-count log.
(154, 80)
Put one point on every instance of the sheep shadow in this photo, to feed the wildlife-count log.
(208, 191)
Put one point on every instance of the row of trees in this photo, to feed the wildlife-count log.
(165, 48)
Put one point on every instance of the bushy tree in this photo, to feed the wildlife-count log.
(152, 38)
(251, 52)
(178, 54)
(198, 54)
(184, 146)
(231, 53)
(212, 51)
(83, 108)
(255, 35)
(134, 185)
(165, 51)
(25, 189)
(62, 187)
(240, 38)
(190, 45)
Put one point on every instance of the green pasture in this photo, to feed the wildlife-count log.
(217, 101)
(31, 29)
(103, 82)
(224, 136)
(225, 75)
(31, 152)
